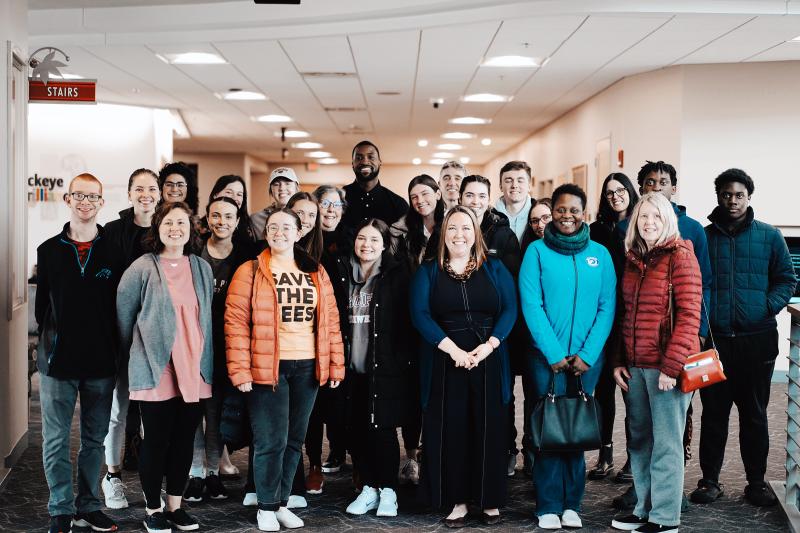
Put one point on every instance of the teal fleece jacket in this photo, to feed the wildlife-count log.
(146, 319)
(568, 301)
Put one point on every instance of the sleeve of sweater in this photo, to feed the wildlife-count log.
(782, 280)
(606, 308)
(420, 306)
(237, 325)
(336, 347)
(508, 302)
(129, 302)
(530, 291)
(687, 287)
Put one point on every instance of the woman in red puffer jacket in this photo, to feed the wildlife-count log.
(660, 267)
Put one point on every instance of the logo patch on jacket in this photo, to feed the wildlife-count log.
(104, 274)
(592, 261)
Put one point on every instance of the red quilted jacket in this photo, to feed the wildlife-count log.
(645, 293)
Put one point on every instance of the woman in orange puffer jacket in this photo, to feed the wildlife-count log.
(282, 342)
(660, 267)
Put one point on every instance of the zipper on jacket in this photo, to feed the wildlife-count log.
(374, 326)
(636, 310)
(733, 293)
(83, 266)
(574, 305)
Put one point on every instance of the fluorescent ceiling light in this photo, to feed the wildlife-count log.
(417, 161)
(486, 97)
(437, 162)
(443, 155)
(66, 76)
(273, 118)
(458, 135)
(318, 154)
(512, 61)
(796, 39)
(193, 58)
(307, 145)
(422, 143)
(294, 134)
(241, 95)
(449, 146)
(470, 120)
(486, 141)
(329, 161)
(464, 160)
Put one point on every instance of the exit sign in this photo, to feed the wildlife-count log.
(62, 91)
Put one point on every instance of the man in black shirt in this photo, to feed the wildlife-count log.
(366, 197)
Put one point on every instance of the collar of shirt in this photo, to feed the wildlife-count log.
(518, 221)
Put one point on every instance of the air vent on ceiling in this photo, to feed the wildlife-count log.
(345, 109)
(388, 93)
(295, 2)
(328, 74)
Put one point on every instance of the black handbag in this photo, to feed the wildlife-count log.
(234, 424)
(566, 423)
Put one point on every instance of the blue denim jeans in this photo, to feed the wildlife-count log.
(119, 415)
(58, 397)
(279, 418)
(656, 420)
(560, 477)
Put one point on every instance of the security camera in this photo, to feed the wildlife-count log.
(436, 102)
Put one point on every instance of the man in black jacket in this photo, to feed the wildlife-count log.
(77, 354)
(752, 280)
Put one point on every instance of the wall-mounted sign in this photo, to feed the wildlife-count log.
(62, 91)
(44, 189)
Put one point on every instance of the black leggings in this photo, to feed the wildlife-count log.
(167, 447)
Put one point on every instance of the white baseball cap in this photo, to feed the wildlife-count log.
(285, 173)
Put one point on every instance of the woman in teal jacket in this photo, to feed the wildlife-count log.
(568, 293)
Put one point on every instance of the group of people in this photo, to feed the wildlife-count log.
(353, 311)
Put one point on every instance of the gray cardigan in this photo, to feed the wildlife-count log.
(146, 319)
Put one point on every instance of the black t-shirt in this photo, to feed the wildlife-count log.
(380, 203)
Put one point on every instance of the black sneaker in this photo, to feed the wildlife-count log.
(97, 520)
(605, 463)
(215, 489)
(629, 522)
(61, 523)
(625, 475)
(707, 491)
(650, 527)
(760, 494)
(332, 465)
(626, 501)
(194, 490)
(156, 523)
(181, 519)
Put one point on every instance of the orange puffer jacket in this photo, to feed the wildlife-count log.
(645, 292)
(251, 327)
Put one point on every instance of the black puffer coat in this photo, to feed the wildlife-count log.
(501, 241)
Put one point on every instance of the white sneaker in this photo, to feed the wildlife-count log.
(570, 518)
(267, 521)
(366, 501)
(114, 492)
(296, 502)
(250, 499)
(288, 519)
(388, 502)
(409, 472)
(549, 521)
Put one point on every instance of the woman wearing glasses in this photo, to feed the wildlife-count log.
(617, 201)
(539, 216)
(282, 342)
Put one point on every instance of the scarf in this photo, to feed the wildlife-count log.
(567, 244)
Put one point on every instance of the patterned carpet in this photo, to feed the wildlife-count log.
(23, 503)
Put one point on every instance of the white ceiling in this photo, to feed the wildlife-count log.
(421, 49)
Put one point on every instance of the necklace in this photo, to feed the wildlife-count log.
(468, 270)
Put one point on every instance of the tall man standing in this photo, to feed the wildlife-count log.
(752, 280)
(366, 197)
(515, 184)
(78, 272)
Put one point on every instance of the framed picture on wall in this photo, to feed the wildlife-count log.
(580, 175)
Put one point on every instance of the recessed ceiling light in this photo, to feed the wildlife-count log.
(193, 58)
(443, 155)
(66, 76)
(486, 97)
(486, 141)
(294, 134)
(512, 61)
(307, 145)
(464, 160)
(470, 120)
(449, 146)
(417, 161)
(422, 143)
(238, 94)
(273, 118)
(437, 162)
(329, 161)
(458, 135)
(796, 39)
(318, 154)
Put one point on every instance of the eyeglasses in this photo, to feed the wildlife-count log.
(621, 192)
(175, 184)
(543, 219)
(325, 204)
(728, 195)
(92, 197)
(286, 228)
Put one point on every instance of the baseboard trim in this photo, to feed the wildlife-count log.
(12, 458)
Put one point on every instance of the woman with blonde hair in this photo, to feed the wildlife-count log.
(464, 305)
(662, 295)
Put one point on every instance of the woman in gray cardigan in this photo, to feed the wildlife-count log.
(164, 314)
